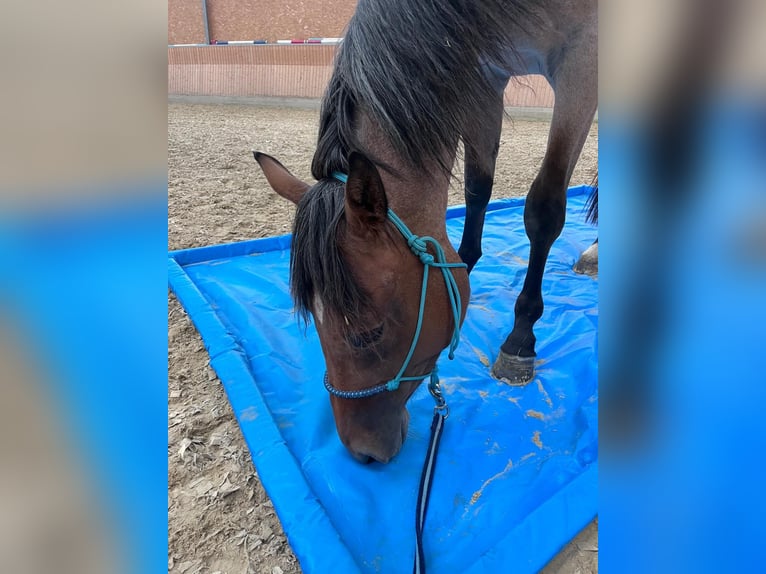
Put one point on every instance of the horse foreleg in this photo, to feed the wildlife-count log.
(544, 214)
(545, 209)
(480, 160)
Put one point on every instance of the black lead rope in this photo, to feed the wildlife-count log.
(424, 491)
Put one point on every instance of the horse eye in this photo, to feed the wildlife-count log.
(366, 339)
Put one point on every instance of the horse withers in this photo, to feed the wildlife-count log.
(411, 79)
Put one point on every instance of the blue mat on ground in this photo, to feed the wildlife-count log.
(517, 471)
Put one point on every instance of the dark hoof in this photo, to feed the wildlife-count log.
(516, 371)
(588, 263)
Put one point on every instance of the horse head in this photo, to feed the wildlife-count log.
(355, 273)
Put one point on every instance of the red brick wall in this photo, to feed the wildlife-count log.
(274, 20)
(270, 20)
(529, 91)
(185, 23)
(300, 71)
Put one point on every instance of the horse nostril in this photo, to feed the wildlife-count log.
(368, 458)
(382, 459)
(360, 457)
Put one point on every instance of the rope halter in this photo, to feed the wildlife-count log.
(419, 246)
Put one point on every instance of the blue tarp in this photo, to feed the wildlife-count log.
(517, 471)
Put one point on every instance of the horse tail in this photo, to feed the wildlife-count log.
(591, 208)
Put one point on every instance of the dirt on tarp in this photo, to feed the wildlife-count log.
(219, 517)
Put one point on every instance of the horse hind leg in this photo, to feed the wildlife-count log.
(545, 209)
(587, 264)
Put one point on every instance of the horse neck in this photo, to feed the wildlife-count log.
(417, 195)
(419, 199)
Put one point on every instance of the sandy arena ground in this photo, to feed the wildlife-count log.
(219, 517)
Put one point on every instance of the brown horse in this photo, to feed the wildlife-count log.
(410, 81)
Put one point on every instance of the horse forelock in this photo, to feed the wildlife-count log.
(318, 270)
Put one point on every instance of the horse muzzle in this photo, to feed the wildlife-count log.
(380, 444)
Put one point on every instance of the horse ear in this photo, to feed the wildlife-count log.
(280, 179)
(366, 202)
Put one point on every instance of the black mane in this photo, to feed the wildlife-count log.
(414, 67)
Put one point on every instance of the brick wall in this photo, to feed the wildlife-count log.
(270, 20)
(185, 23)
(274, 20)
(529, 91)
(300, 71)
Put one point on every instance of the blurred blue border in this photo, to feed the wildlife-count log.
(684, 493)
(84, 287)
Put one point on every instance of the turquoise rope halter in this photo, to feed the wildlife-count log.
(419, 246)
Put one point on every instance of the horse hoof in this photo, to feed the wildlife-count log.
(516, 371)
(588, 262)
